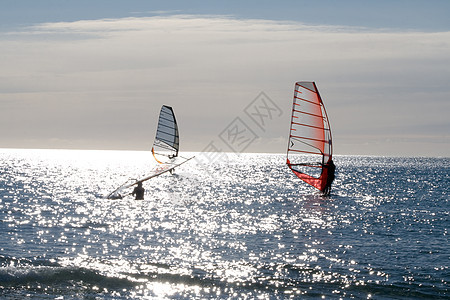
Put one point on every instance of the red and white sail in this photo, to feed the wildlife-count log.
(310, 142)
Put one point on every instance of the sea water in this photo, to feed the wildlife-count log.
(242, 226)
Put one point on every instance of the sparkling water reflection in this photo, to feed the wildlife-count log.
(243, 228)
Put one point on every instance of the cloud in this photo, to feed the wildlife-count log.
(101, 80)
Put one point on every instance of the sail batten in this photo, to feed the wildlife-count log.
(308, 138)
(313, 115)
(306, 101)
(306, 125)
(310, 143)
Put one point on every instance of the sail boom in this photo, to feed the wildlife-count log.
(308, 152)
(305, 165)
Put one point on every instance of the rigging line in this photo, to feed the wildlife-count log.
(309, 101)
(310, 114)
(318, 165)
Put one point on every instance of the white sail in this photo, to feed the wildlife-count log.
(167, 140)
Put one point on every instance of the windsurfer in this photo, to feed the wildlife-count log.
(331, 169)
(139, 192)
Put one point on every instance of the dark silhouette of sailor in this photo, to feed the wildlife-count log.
(139, 192)
(331, 169)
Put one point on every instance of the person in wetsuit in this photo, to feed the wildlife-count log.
(139, 192)
(331, 169)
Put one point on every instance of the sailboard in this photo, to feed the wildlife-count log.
(310, 147)
(164, 150)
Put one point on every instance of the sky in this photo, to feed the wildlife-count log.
(94, 74)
